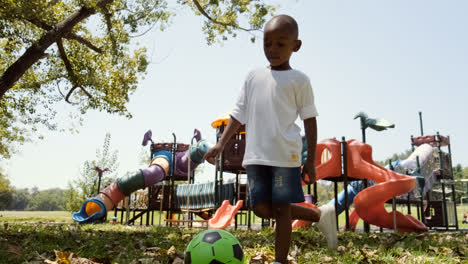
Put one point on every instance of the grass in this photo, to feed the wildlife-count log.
(32, 237)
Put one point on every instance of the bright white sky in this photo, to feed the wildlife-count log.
(389, 59)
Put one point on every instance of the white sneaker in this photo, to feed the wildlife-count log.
(327, 225)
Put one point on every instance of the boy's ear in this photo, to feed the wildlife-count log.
(298, 45)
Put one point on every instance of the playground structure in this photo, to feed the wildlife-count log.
(162, 191)
(352, 160)
(436, 213)
(175, 162)
(431, 167)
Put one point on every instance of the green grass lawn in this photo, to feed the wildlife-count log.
(32, 237)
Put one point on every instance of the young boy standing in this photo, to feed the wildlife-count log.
(270, 101)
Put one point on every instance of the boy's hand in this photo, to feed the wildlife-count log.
(211, 155)
(309, 170)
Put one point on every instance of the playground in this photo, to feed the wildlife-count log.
(170, 185)
(403, 212)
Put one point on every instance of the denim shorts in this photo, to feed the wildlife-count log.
(278, 185)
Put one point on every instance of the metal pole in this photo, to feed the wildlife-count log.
(442, 176)
(393, 203)
(336, 204)
(345, 180)
(100, 172)
(364, 181)
(453, 185)
(421, 123)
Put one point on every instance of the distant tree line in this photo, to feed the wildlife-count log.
(33, 200)
(81, 188)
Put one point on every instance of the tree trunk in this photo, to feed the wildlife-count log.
(36, 51)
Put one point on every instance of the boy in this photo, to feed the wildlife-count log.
(269, 103)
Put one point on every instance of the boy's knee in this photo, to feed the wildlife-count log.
(281, 210)
(263, 210)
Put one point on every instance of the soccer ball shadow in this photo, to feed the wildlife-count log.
(214, 246)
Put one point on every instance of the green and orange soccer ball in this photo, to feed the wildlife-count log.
(214, 246)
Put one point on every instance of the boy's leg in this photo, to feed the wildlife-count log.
(283, 231)
(286, 189)
(304, 213)
(324, 215)
(259, 180)
(327, 225)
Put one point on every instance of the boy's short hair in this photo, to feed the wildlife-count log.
(286, 21)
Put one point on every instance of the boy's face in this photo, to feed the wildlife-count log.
(278, 44)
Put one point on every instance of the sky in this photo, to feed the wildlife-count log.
(390, 59)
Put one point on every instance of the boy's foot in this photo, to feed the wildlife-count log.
(327, 225)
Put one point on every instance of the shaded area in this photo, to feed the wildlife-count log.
(107, 243)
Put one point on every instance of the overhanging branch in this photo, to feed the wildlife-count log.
(69, 35)
(36, 51)
(203, 12)
(83, 41)
(71, 73)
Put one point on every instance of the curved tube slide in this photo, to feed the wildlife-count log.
(331, 167)
(422, 152)
(96, 208)
(369, 203)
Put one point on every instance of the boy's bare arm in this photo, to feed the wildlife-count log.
(231, 128)
(310, 126)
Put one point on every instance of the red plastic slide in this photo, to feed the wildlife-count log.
(223, 216)
(369, 203)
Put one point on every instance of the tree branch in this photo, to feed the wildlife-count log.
(107, 16)
(14, 72)
(83, 41)
(66, 61)
(69, 35)
(203, 12)
(71, 74)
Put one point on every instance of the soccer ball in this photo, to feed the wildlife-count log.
(214, 246)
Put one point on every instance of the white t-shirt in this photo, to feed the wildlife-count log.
(269, 104)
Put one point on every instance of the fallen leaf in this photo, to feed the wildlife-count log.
(63, 257)
(147, 261)
(14, 249)
(171, 251)
(178, 261)
(435, 249)
(446, 250)
(326, 259)
(153, 249)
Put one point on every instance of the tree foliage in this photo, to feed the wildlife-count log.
(396, 156)
(5, 191)
(86, 185)
(460, 172)
(36, 200)
(20, 199)
(47, 200)
(80, 52)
